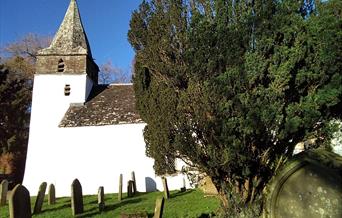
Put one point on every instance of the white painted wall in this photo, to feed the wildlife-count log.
(96, 155)
(49, 103)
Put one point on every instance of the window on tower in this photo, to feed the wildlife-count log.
(60, 66)
(67, 90)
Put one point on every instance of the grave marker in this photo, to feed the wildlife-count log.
(308, 186)
(130, 188)
(134, 183)
(3, 192)
(101, 199)
(158, 211)
(20, 203)
(120, 188)
(166, 188)
(40, 198)
(76, 198)
(51, 194)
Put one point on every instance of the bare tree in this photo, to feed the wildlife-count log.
(20, 55)
(112, 74)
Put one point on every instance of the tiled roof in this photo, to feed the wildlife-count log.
(107, 105)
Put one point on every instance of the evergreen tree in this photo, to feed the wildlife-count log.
(230, 87)
(14, 111)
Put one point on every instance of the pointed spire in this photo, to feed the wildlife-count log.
(71, 37)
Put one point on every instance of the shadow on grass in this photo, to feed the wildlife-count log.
(121, 204)
(89, 213)
(180, 193)
(56, 208)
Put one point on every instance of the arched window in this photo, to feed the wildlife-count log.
(60, 66)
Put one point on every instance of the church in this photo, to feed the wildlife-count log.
(83, 130)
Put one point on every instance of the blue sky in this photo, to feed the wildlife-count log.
(106, 23)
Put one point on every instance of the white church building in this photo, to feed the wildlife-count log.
(83, 130)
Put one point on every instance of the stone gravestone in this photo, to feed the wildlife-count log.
(3, 192)
(40, 198)
(20, 203)
(101, 199)
(134, 183)
(51, 194)
(166, 188)
(309, 186)
(130, 188)
(76, 198)
(158, 211)
(120, 188)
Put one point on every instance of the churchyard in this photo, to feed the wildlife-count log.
(309, 185)
(180, 203)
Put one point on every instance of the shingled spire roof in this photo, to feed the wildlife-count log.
(71, 37)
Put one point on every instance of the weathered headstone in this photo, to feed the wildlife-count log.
(130, 188)
(51, 194)
(20, 203)
(158, 211)
(101, 199)
(3, 192)
(134, 183)
(309, 186)
(40, 198)
(166, 188)
(120, 188)
(76, 198)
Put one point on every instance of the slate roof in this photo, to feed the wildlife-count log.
(71, 37)
(107, 105)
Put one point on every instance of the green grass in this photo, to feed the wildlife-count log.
(191, 203)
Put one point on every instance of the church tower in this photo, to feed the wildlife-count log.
(65, 75)
(68, 60)
(65, 71)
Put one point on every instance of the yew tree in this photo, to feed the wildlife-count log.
(230, 87)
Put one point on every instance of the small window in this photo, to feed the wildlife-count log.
(67, 90)
(60, 66)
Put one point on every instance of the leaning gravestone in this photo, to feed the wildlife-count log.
(308, 186)
(20, 203)
(76, 198)
(40, 198)
(158, 211)
(3, 192)
(101, 199)
(51, 194)
(166, 188)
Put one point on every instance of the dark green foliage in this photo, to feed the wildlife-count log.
(232, 86)
(15, 99)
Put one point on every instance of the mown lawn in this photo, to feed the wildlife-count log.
(191, 203)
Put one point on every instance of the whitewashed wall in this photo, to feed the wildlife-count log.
(95, 155)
